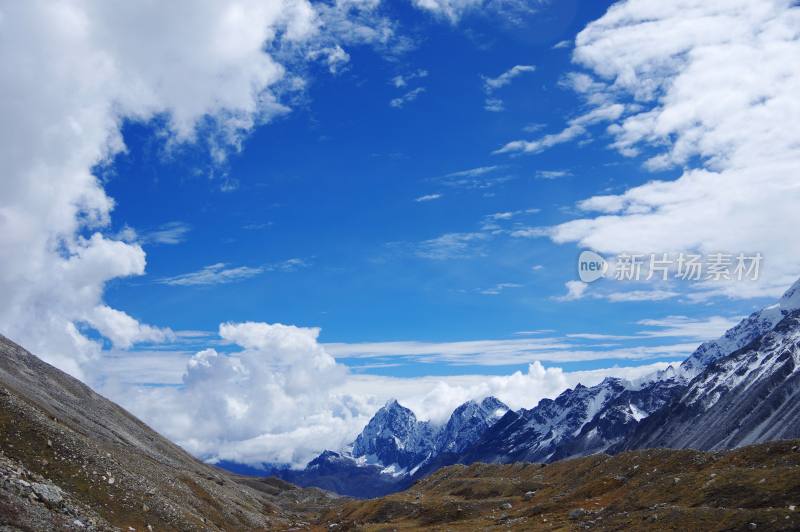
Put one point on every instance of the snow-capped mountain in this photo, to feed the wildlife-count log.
(605, 417)
(741, 388)
(742, 334)
(535, 435)
(395, 448)
(468, 423)
(394, 436)
(749, 396)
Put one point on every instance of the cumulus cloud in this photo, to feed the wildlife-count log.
(281, 397)
(715, 87)
(73, 74)
(273, 400)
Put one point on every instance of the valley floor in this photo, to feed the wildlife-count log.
(753, 488)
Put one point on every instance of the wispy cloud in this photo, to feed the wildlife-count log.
(552, 174)
(219, 273)
(451, 246)
(498, 288)
(409, 96)
(169, 233)
(490, 85)
(480, 177)
(697, 329)
(575, 128)
(505, 352)
(427, 197)
(401, 80)
(222, 273)
(579, 290)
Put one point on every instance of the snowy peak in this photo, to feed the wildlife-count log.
(468, 422)
(749, 396)
(745, 332)
(395, 436)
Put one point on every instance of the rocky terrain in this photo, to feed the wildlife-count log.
(70, 459)
(753, 488)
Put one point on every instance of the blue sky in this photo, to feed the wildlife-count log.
(253, 223)
(335, 184)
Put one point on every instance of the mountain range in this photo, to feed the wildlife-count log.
(739, 389)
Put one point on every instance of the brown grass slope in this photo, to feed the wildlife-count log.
(750, 488)
(113, 470)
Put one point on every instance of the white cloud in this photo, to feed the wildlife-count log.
(552, 174)
(639, 295)
(575, 291)
(451, 246)
(509, 11)
(221, 273)
(122, 329)
(481, 177)
(400, 80)
(427, 197)
(453, 10)
(409, 96)
(170, 233)
(492, 84)
(498, 288)
(73, 74)
(576, 127)
(274, 400)
(283, 398)
(715, 85)
(697, 329)
(494, 105)
(504, 352)
(334, 57)
(562, 44)
(508, 215)
(683, 326)
(473, 172)
(218, 273)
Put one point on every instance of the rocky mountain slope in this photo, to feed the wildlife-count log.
(71, 459)
(751, 395)
(740, 388)
(753, 488)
